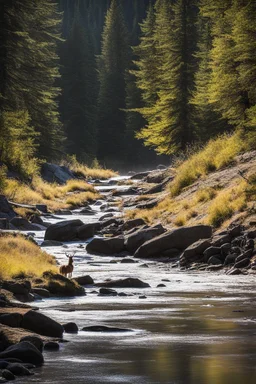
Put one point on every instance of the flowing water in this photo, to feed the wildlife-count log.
(200, 328)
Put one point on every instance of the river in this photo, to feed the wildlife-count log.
(199, 328)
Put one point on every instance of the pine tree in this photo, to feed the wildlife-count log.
(41, 74)
(17, 147)
(113, 63)
(169, 123)
(244, 30)
(78, 101)
(207, 121)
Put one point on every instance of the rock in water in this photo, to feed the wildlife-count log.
(41, 324)
(136, 239)
(63, 231)
(24, 351)
(106, 246)
(180, 238)
(124, 283)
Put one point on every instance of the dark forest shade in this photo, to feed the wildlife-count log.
(87, 77)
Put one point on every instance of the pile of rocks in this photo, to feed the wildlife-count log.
(233, 249)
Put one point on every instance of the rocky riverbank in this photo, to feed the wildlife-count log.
(102, 229)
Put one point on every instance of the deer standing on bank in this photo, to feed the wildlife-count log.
(66, 270)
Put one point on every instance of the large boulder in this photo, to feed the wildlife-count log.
(56, 173)
(124, 283)
(25, 352)
(41, 324)
(136, 239)
(86, 231)
(180, 238)
(106, 246)
(63, 231)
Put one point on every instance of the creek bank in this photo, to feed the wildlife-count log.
(201, 250)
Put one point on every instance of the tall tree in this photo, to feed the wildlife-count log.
(169, 124)
(113, 63)
(78, 101)
(207, 121)
(17, 135)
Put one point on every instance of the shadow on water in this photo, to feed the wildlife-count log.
(196, 341)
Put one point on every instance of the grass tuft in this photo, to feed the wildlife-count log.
(21, 257)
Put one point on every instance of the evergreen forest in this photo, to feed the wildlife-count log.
(123, 82)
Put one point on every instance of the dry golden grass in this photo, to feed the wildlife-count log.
(226, 203)
(21, 257)
(216, 154)
(54, 196)
(80, 199)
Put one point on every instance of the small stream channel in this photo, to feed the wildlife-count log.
(198, 329)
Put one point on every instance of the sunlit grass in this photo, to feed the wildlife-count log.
(226, 203)
(83, 170)
(81, 199)
(74, 193)
(21, 257)
(217, 154)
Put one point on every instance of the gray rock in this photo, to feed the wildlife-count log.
(242, 263)
(18, 369)
(35, 340)
(8, 375)
(214, 260)
(219, 240)
(124, 283)
(148, 204)
(136, 239)
(41, 292)
(225, 249)
(4, 223)
(236, 231)
(171, 253)
(6, 211)
(234, 271)
(41, 324)
(20, 288)
(63, 231)
(11, 319)
(84, 280)
(140, 175)
(106, 216)
(25, 352)
(42, 208)
(56, 173)
(86, 231)
(230, 259)
(107, 292)
(51, 243)
(70, 327)
(130, 224)
(211, 251)
(127, 260)
(23, 224)
(180, 238)
(194, 251)
(103, 328)
(106, 246)
(51, 346)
